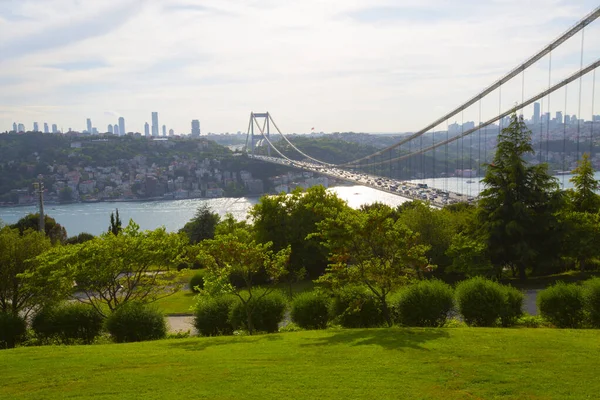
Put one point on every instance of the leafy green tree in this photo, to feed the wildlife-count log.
(111, 270)
(81, 238)
(202, 226)
(289, 220)
(238, 254)
(516, 207)
(371, 249)
(469, 257)
(53, 229)
(580, 236)
(583, 197)
(17, 255)
(115, 226)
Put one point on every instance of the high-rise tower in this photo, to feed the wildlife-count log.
(154, 123)
(536, 113)
(121, 126)
(195, 128)
(89, 125)
(146, 129)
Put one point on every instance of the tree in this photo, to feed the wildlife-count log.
(372, 249)
(580, 236)
(289, 220)
(53, 230)
(115, 226)
(17, 255)
(202, 226)
(111, 270)
(583, 197)
(238, 254)
(81, 238)
(65, 195)
(516, 207)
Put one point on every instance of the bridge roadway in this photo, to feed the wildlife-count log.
(406, 189)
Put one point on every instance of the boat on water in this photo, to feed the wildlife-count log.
(470, 181)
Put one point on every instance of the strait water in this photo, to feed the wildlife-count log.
(172, 214)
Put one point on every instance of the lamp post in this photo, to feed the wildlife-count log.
(39, 188)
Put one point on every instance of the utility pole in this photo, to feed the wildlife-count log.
(39, 188)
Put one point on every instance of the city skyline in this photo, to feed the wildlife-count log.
(364, 66)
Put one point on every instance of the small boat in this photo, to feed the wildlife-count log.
(470, 181)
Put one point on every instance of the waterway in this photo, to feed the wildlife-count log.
(172, 214)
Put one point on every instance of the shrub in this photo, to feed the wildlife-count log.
(562, 305)
(532, 321)
(267, 312)
(197, 281)
(12, 330)
(513, 306)
(480, 301)
(426, 303)
(135, 322)
(591, 296)
(310, 310)
(211, 317)
(68, 323)
(355, 307)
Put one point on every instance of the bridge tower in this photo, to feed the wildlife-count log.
(260, 121)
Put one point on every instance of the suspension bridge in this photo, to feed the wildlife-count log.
(444, 162)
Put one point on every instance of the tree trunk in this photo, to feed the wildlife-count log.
(249, 323)
(386, 312)
(522, 272)
(582, 265)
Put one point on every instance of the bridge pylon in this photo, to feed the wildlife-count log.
(260, 122)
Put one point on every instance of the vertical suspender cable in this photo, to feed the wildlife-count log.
(479, 153)
(564, 152)
(462, 151)
(580, 81)
(549, 94)
(592, 125)
(446, 179)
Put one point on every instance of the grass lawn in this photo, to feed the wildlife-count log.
(458, 363)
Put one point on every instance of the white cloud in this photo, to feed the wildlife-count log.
(338, 65)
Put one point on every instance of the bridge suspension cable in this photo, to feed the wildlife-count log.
(514, 72)
(531, 100)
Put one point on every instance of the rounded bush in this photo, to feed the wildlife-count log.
(68, 323)
(310, 310)
(197, 281)
(211, 317)
(513, 306)
(480, 301)
(135, 322)
(426, 303)
(12, 330)
(562, 305)
(591, 297)
(267, 312)
(355, 307)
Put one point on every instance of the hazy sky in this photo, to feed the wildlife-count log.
(335, 65)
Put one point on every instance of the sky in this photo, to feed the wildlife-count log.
(331, 65)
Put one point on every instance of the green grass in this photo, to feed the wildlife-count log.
(459, 363)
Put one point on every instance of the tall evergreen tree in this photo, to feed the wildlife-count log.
(202, 226)
(583, 197)
(516, 207)
(115, 223)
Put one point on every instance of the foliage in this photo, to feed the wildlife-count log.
(53, 230)
(583, 197)
(580, 235)
(68, 323)
(426, 303)
(310, 310)
(136, 322)
(211, 315)
(111, 270)
(356, 307)
(12, 330)
(469, 256)
(237, 254)
(562, 305)
(290, 219)
(480, 301)
(532, 321)
(512, 309)
(197, 281)
(591, 296)
(17, 255)
(516, 207)
(371, 249)
(115, 226)
(202, 226)
(81, 238)
(267, 312)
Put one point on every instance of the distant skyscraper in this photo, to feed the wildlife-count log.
(559, 117)
(171, 133)
(36, 127)
(45, 127)
(536, 113)
(164, 130)
(567, 120)
(89, 125)
(121, 126)
(573, 119)
(146, 129)
(109, 129)
(154, 123)
(20, 128)
(195, 128)
(54, 128)
(15, 127)
(94, 130)
(116, 129)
